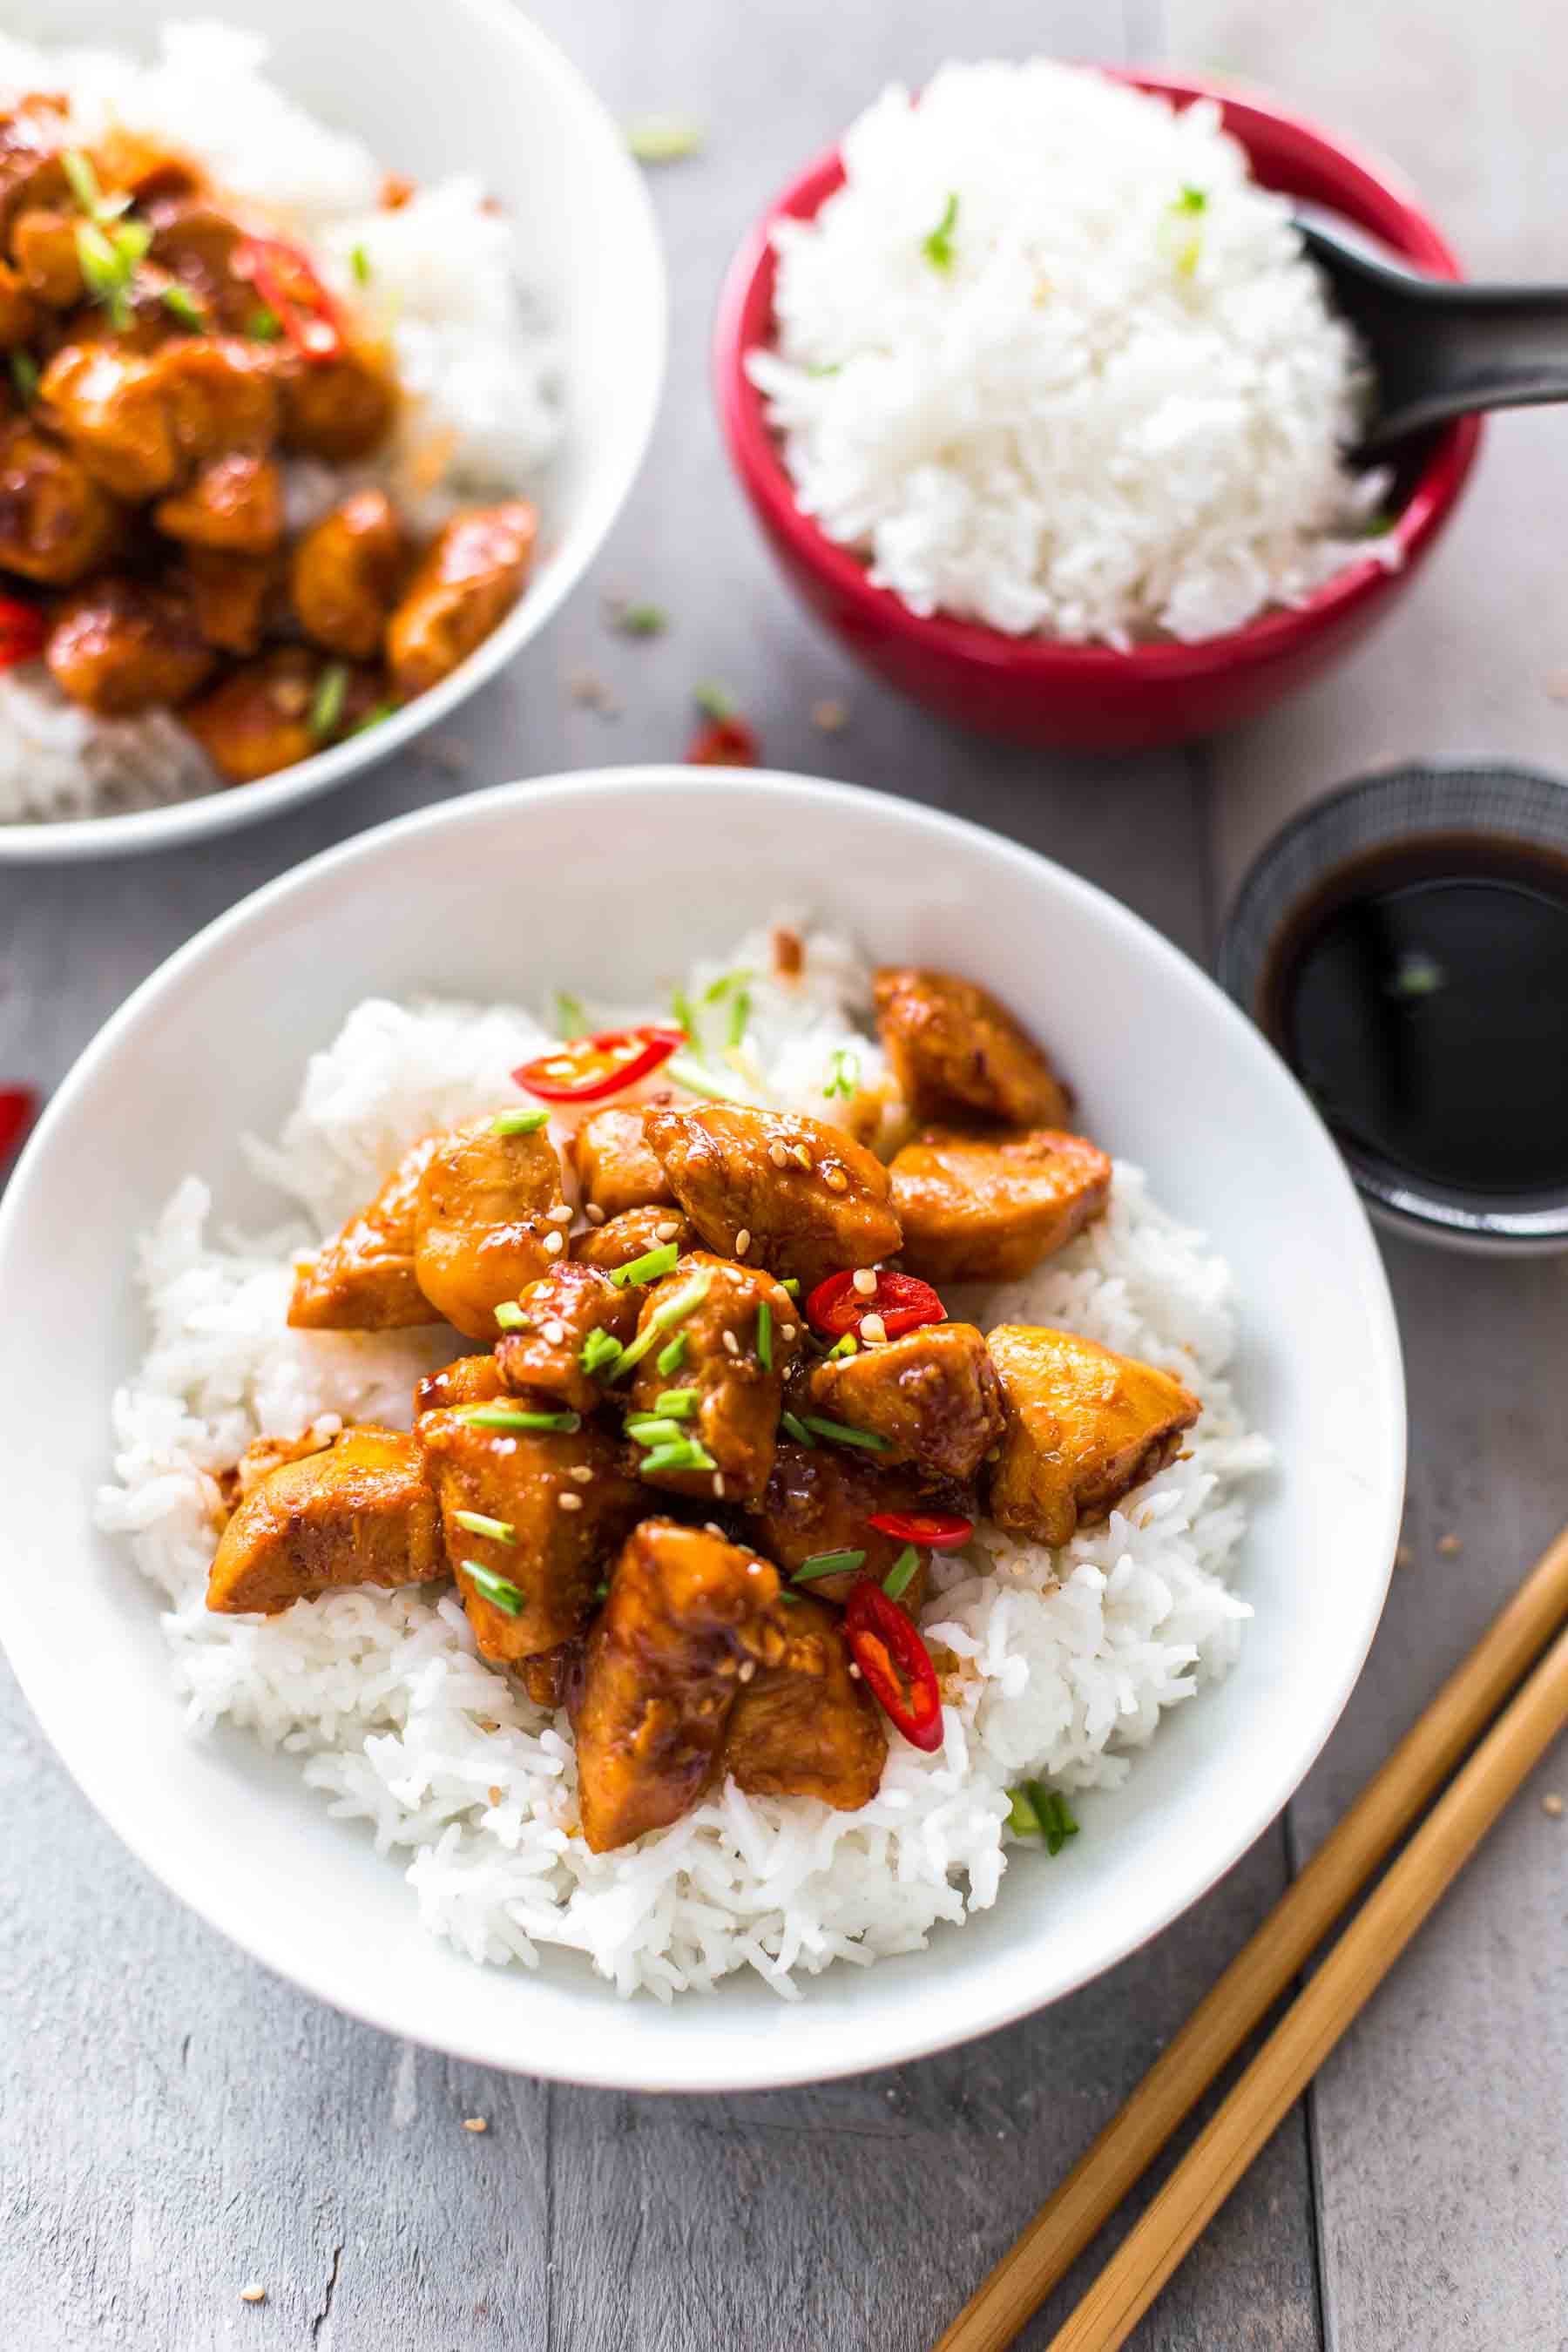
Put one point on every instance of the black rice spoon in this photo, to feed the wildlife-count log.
(1439, 350)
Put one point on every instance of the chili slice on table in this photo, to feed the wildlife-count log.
(937, 1530)
(22, 632)
(589, 1069)
(896, 1665)
(724, 743)
(903, 1301)
(287, 282)
(18, 1108)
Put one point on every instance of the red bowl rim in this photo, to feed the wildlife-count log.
(744, 318)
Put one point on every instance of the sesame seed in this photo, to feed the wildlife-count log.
(561, 1216)
(713, 1529)
(801, 1156)
(779, 1155)
(836, 1180)
(865, 1282)
(667, 1231)
(581, 1472)
(553, 1244)
(786, 1331)
(594, 1213)
(748, 1670)
(731, 1345)
(253, 2292)
(475, 2124)
(554, 1331)
(743, 1241)
(570, 1501)
(1449, 1545)
(1552, 1805)
(854, 1673)
(874, 1330)
(719, 1485)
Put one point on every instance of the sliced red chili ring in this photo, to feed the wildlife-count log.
(902, 1300)
(724, 743)
(589, 1069)
(22, 632)
(18, 1107)
(896, 1665)
(937, 1530)
(287, 282)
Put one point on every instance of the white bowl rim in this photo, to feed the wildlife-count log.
(251, 1930)
(229, 807)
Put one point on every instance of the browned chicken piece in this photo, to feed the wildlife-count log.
(265, 1454)
(339, 409)
(820, 1498)
(988, 1208)
(1083, 1428)
(790, 1193)
(563, 1309)
(688, 1614)
(470, 577)
(565, 1497)
(738, 1397)
(153, 174)
(19, 315)
(196, 241)
(616, 1166)
(489, 1219)
(807, 1727)
(119, 647)
(33, 135)
(229, 597)
(258, 718)
(932, 1397)
(56, 523)
(631, 1235)
(44, 248)
(360, 1513)
(344, 572)
(955, 1052)
(221, 394)
(547, 1677)
(469, 1379)
(232, 504)
(140, 421)
(364, 1280)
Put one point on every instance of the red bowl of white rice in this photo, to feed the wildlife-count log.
(347, 1789)
(1043, 412)
(521, 286)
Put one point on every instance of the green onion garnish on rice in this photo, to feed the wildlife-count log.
(938, 247)
(518, 1122)
(664, 1317)
(1040, 1811)
(896, 1582)
(496, 1590)
(327, 703)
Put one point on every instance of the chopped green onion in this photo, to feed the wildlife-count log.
(848, 1346)
(792, 1284)
(182, 305)
(739, 1016)
(600, 1356)
(843, 1074)
(649, 1267)
(518, 1122)
(506, 1417)
(896, 1582)
(106, 272)
(1191, 200)
(713, 701)
(765, 1336)
(601, 1592)
(359, 262)
(642, 620)
(845, 1436)
(570, 1020)
(718, 990)
(823, 367)
(1417, 975)
(477, 1524)
(680, 1403)
(670, 1357)
(83, 182)
(25, 375)
(494, 1588)
(828, 1563)
(938, 247)
(264, 325)
(664, 1317)
(681, 1453)
(327, 704)
(699, 1079)
(664, 138)
(680, 1005)
(1040, 1811)
(509, 1317)
(1188, 257)
(378, 716)
(653, 1429)
(793, 1427)
(131, 241)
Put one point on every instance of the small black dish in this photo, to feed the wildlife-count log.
(1403, 944)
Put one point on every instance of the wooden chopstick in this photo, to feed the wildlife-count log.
(1315, 2020)
(1267, 1963)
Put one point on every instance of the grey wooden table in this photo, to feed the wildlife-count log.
(175, 2123)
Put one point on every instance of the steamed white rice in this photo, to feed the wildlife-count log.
(478, 367)
(1059, 1663)
(1051, 361)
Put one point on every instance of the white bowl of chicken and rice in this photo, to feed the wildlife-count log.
(346, 1789)
(476, 225)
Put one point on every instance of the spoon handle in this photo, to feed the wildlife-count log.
(1467, 348)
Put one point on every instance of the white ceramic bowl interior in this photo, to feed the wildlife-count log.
(473, 87)
(508, 893)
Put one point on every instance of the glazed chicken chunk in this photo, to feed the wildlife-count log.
(820, 1498)
(689, 1615)
(488, 1218)
(632, 1235)
(790, 1193)
(989, 1208)
(807, 1727)
(957, 1054)
(930, 1397)
(56, 524)
(472, 577)
(563, 1500)
(344, 573)
(365, 1281)
(361, 1512)
(616, 1165)
(469, 1380)
(565, 1308)
(119, 647)
(1084, 1427)
(729, 1375)
(260, 718)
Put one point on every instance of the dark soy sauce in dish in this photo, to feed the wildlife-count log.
(1421, 996)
